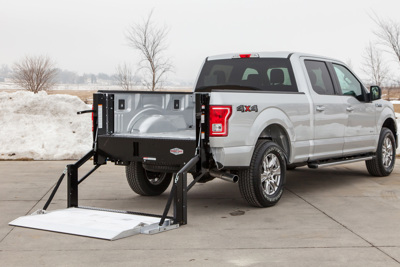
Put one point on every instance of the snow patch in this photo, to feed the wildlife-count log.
(43, 127)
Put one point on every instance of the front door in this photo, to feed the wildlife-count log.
(360, 133)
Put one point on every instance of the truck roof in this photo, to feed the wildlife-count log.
(278, 54)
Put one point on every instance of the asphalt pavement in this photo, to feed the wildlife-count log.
(336, 216)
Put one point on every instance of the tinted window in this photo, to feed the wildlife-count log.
(319, 77)
(249, 71)
(267, 74)
(286, 75)
(349, 85)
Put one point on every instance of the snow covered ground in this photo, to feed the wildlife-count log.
(43, 127)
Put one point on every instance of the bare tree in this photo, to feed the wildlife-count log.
(388, 33)
(374, 66)
(35, 73)
(150, 40)
(124, 76)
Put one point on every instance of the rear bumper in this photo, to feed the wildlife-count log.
(160, 151)
(232, 157)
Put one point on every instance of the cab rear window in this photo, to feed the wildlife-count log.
(264, 74)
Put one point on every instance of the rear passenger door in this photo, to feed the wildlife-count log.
(329, 116)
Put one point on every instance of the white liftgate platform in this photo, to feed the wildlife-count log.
(109, 224)
(94, 223)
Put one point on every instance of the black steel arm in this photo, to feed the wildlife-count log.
(85, 111)
(55, 190)
(89, 173)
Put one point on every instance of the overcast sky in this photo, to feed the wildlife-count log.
(88, 36)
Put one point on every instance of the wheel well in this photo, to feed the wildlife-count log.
(277, 134)
(390, 124)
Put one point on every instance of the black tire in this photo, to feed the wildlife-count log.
(144, 182)
(383, 163)
(260, 193)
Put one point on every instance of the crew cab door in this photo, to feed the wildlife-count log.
(360, 133)
(329, 111)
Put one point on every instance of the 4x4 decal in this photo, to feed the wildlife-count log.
(245, 108)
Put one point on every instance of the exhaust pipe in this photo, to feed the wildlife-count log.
(229, 177)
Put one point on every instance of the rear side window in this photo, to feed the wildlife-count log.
(265, 74)
(319, 76)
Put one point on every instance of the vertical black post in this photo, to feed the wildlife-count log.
(72, 194)
(180, 207)
(184, 197)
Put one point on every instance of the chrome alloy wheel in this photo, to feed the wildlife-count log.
(387, 152)
(270, 174)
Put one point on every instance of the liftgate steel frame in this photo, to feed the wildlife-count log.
(178, 192)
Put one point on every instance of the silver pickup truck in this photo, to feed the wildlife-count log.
(250, 118)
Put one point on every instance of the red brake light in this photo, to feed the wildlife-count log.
(246, 55)
(219, 116)
(92, 118)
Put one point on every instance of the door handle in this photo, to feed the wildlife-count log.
(320, 108)
(349, 109)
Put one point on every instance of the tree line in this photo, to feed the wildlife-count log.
(37, 73)
(71, 77)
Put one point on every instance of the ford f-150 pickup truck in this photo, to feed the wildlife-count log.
(250, 118)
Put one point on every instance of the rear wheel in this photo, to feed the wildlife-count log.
(146, 183)
(383, 163)
(262, 184)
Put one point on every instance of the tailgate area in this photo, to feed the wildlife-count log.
(157, 127)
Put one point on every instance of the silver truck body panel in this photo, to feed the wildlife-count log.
(245, 128)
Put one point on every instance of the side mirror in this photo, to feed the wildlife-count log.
(375, 92)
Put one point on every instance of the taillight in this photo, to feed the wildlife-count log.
(245, 55)
(219, 116)
(92, 118)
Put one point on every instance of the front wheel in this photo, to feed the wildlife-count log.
(262, 184)
(146, 183)
(383, 163)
